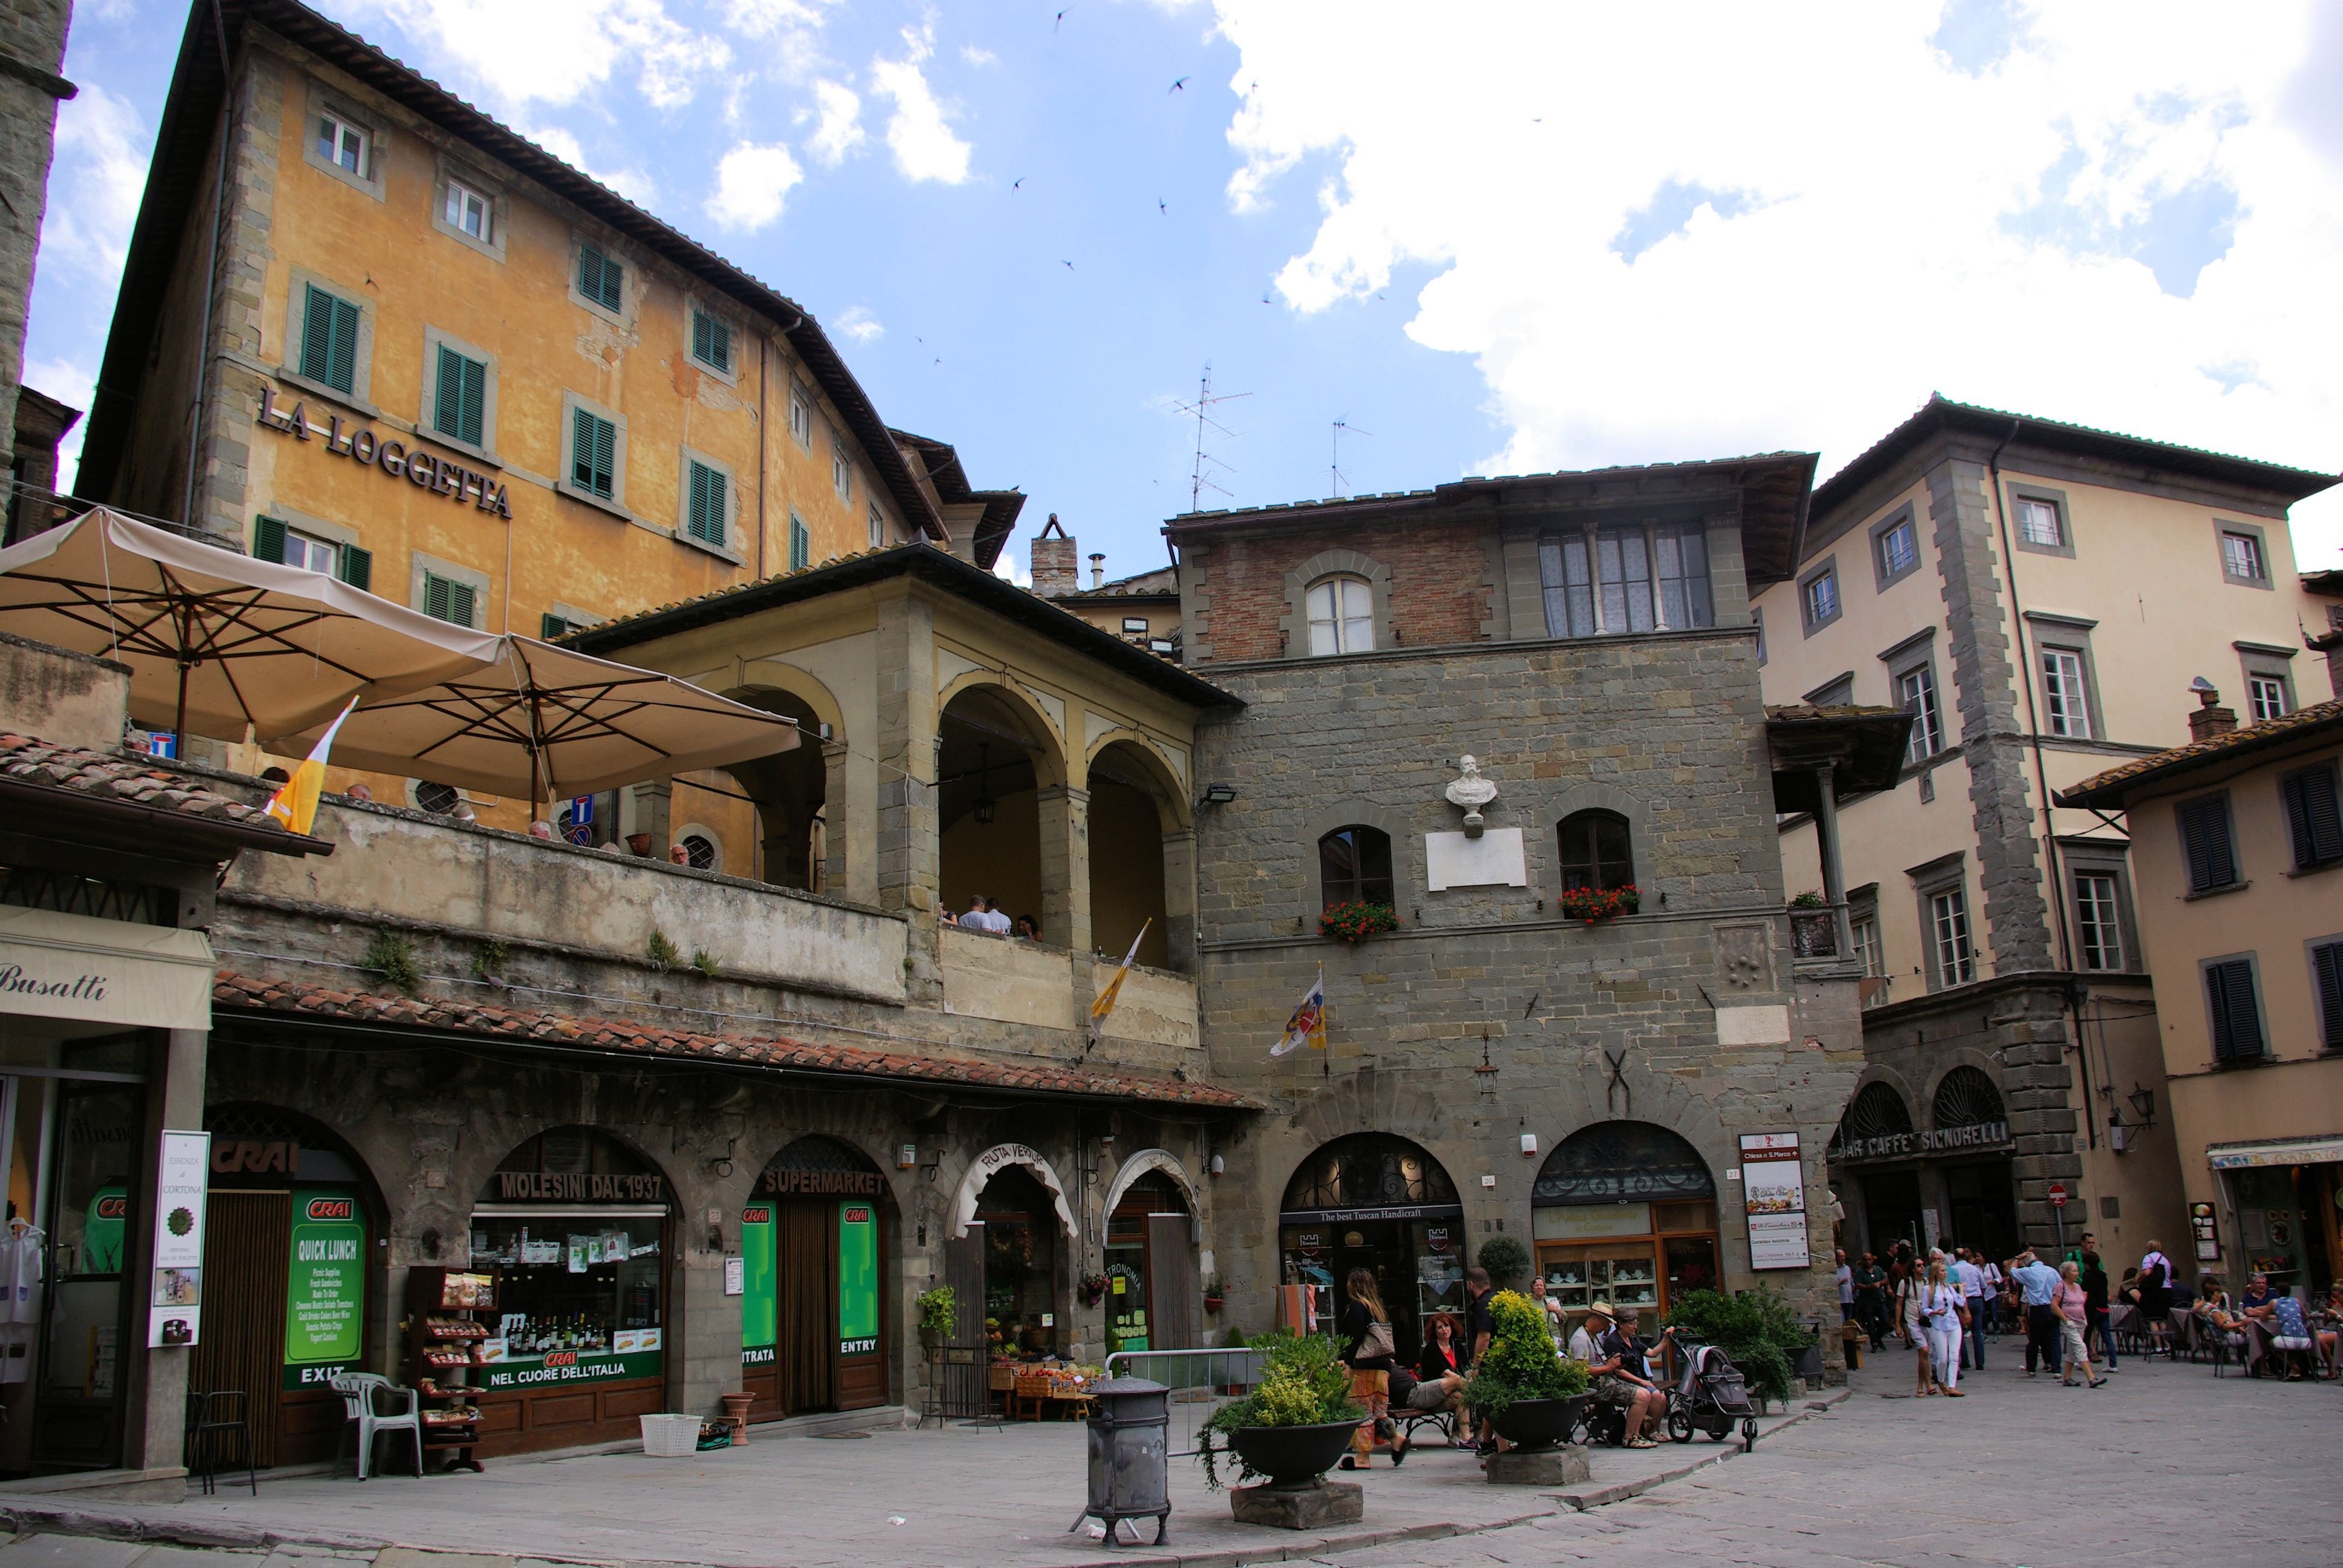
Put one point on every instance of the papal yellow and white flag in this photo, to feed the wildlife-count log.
(295, 804)
(1105, 1002)
(1308, 1024)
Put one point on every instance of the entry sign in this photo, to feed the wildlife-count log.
(182, 1181)
(2057, 1195)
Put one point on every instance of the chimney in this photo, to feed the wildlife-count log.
(2331, 645)
(1054, 572)
(2210, 718)
(1097, 570)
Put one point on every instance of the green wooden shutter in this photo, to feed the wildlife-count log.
(605, 447)
(435, 597)
(459, 603)
(317, 334)
(2314, 817)
(461, 408)
(593, 443)
(356, 566)
(711, 340)
(342, 371)
(2205, 832)
(704, 513)
(268, 539)
(600, 278)
(2327, 970)
(475, 416)
(551, 626)
(2236, 1020)
(800, 546)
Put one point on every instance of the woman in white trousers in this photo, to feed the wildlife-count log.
(1940, 1307)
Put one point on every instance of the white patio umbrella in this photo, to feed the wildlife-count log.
(548, 723)
(216, 639)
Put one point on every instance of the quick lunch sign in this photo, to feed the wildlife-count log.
(325, 1288)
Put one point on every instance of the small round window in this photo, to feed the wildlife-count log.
(437, 798)
(700, 850)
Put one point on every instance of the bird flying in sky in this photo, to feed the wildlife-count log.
(1177, 85)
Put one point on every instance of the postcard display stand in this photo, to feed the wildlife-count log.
(448, 1316)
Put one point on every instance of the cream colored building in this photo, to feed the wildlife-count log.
(2041, 595)
(2236, 851)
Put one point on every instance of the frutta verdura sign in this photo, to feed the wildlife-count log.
(557, 1368)
(325, 1288)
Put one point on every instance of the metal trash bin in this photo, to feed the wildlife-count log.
(1130, 1428)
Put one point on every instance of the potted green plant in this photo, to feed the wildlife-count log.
(1294, 1425)
(938, 1309)
(1215, 1297)
(1356, 920)
(1756, 1329)
(1813, 933)
(1530, 1394)
(1507, 1261)
(1596, 904)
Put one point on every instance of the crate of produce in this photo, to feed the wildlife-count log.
(670, 1436)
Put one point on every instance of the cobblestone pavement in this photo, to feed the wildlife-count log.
(2164, 1465)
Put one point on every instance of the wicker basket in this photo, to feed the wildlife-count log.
(670, 1436)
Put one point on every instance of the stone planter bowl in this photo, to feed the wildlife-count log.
(1291, 1455)
(1539, 1423)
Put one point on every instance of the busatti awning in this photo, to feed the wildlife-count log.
(88, 970)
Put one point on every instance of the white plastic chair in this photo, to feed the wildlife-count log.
(363, 1396)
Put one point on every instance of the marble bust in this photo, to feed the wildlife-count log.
(1472, 791)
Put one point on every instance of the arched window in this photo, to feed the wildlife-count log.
(1878, 1112)
(1968, 1098)
(1355, 866)
(1595, 851)
(699, 851)
(1341, 616)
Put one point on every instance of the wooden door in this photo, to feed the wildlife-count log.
(1174, 1292)
(806, 1264)
(246, 1244)
(962, 1372)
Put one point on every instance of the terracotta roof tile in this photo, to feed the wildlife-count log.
(256, 994)
(121, 777)
(2102, 788)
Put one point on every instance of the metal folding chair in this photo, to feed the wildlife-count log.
(211, 1417)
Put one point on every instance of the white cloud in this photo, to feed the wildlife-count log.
(751, 182)
(1010, 569)
(839, 131)
(924, 143)
(976, 54)
(631, 183)
(857, 322)
(95, 183)
(72, 384)
(2102, 216)
(517, 52)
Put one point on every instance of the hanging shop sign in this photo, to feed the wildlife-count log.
(183, 1178)
(325, 1289)
(2208, 1241)
(761, 1306)
(1773, 1195)
(1934, 1140)
(359, 444)
(857, 1279)
(551, 1187)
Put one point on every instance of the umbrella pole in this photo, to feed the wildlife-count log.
(179, 730)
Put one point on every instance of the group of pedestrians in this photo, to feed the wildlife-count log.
(1945, 1306)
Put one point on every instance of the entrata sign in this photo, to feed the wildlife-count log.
(424, 471)
(2057, 1195)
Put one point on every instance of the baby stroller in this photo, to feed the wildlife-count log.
(1711, 1396)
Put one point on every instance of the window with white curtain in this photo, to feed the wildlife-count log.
(1948, 915)
(1638, 577)
(1341, 616)
(2065, 703)
(2097, 919)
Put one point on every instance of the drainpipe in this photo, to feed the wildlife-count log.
(2042, 779)
(205, 353)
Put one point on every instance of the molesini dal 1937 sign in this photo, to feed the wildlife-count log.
(424, 471)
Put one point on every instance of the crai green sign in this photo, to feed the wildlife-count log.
(760, 1304)
(857, 1279)
(325, 1288)
(563, 1367)
(101, 1236)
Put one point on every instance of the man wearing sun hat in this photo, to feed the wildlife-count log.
(1586, 1339)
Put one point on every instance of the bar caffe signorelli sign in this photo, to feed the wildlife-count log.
(1934, 1140)
(359, 444)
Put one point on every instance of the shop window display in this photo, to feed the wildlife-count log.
(1624, 1212)
(1020, 1265)
(1379, 1203)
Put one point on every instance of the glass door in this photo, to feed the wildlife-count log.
(93, 1232)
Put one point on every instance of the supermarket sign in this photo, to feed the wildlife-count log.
(567, 1367)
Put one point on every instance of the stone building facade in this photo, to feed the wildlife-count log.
(1518, 1060)
(32, 54)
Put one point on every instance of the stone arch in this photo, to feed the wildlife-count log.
(1044, 734)
(1004, 817)
(1968, 1093)
(985, 1166)
(1141, 854)
(1296, 622)
(1623, 1160)
(1952, 1061)
(1163, 783)
(789, 790)
(1642, 840)
(1148, 1159)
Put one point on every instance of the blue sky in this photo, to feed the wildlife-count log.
(1490, 245)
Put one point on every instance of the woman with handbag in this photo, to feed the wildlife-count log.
(1368, 1346)
(1906, 1292)
(1942, 1314)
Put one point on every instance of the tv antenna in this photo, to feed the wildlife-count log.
(1334, 469)
(1199, 480)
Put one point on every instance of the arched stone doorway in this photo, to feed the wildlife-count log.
(1624, 1212)
(1137, 830)
(1154, 1291)
(995, 758)
(1872, 1156)
(1971, 1139)
(815, 1236)
(1376, 1202)
(1009, 1254)
(292, 1285)
(789, 791)
(576, 1226)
